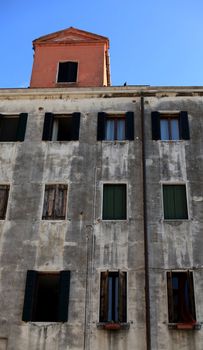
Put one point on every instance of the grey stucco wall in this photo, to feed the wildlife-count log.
(83, 243)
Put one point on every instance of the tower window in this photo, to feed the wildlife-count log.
(67, 72)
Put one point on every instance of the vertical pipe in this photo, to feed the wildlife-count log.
(146, 245)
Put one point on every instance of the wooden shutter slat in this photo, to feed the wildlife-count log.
(129, 126)
(122, 290)
(104, 297)
(48, 127)
(191, 293)
(64, 288)
(101, 123)
(22, 122)
(4, 190)
(75, 126)
(184, 126)
(156, 131)
(30, 290)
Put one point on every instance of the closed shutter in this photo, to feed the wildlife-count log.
(180, 202)
(108, 202)
(48, 127)
(3, 200)
(184, 126)
(129, 126)
(75, 126)
(21, 127)
(170, 296)
(64, 288)
(104, 297)
(155, 120)
(169, 203)
(49, 202)
(101, 123)
(122, 298)
(30, 290)
(60, 202)
(119, 201)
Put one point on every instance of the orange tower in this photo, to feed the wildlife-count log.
(70, 58)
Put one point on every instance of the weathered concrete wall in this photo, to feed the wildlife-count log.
(174, 244)
(83, 243)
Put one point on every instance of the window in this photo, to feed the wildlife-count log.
(46, 296)
(112, 127)
(181, 305)
(61, 127)
(174, 126)
(175, 202)
(12, 127)
(113, 295)
(55, 200)
(4, 191)
(114, 202)
(67, 72)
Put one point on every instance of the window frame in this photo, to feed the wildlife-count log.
(48, 126)
(67, 82)
(66, 209)
(102, 200)
(169, 296)
(174, 183)
(115, 118)
(169, 118)
(129, 125)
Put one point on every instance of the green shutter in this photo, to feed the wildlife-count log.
(169, 205)
(114, 202)
(180, 202)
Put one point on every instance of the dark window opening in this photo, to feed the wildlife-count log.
(113, 297)
(12, 128)
(46, 296)
(4, 192)
(175, 202)
(55, 201)
(67, 72)
(181, 303)
(114, 202)
(63, 127)
(115, 127)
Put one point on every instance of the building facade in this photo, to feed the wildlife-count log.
(101, 209)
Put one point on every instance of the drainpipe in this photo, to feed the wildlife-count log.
(146, 245)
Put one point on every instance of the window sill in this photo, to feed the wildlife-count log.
(113, 326)
(185, 326)
(115, 142)
(175, 220)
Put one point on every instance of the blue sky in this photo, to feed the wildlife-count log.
(152, 42)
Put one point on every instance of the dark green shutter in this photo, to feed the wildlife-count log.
(64, 287)
(184, 126)
(122, 297)
(30, 291)
(48, 127)
(75, 126)
(21, 127)
(103, 314)
(119, 202)
(180, 201)
(169, 204)
(108, 202)
(170, 297)
(155, 120)
(129, 126)
(101, 123)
